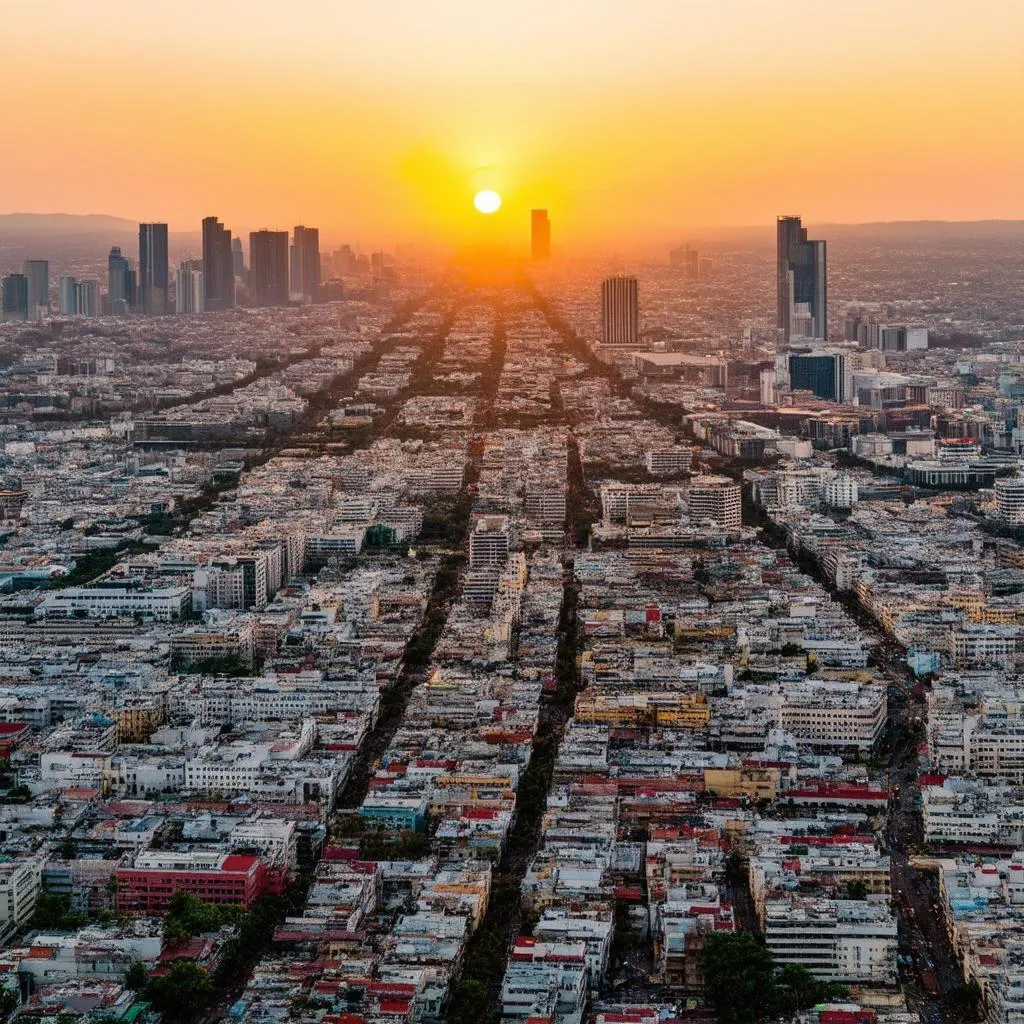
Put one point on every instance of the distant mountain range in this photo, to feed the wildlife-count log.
(69, 224)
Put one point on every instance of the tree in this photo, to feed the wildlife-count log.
(9, 1002)
(964, 1001)
(182, 993)
(856, 890)
(739, 976)
(797, 989)
(136, 977)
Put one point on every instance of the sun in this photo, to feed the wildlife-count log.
(487, 201)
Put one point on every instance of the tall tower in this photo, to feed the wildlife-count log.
(68, 296)
(38, 274)
(801, 282)
(218, 265)
(15, 297)
(153, 270)
(238, 260)
(620, 313)
(305, 262)
(121, 283)
(540, 234)
(188, 293)
(268, 267)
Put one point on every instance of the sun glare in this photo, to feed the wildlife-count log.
(487, 201)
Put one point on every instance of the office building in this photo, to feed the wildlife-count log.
(218, 266)
(869, 334)
(687, 260)
(153, 268)
(540, 234)
(716, 499)
(305, 263)
(189, 294)
(66, 296)
(121, 283)
(238, 260)
(344, 261)
(822, 372)
(620, 316)
(146, 887)
(268, 268)
(1010, 500)
(15, 297)
(801, 281)
(489, 542)
(87, 298)
(38, 274)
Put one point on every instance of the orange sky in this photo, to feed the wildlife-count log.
(377, 119)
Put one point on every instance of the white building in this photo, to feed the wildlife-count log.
(164, 604)
(716, 499)
(837, 940)
(1010, 500)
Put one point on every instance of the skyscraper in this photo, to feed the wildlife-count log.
(189, 295)
(823, 372)
(87, 298)
(218, 265)
(121, 283)
(38, 274)
(153, 268)
(238, 260)
(15, 297)
(67, 296)
(801, 281)
(268, 267)
(540, 234)
(620, 314)
(305, 262)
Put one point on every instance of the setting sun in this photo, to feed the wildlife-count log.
(487, 201)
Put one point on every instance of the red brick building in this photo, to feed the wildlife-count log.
(147, 887)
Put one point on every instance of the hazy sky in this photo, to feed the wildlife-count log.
(377, 119)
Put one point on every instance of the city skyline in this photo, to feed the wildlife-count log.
(526, 101)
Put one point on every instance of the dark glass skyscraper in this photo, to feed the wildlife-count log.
(153, 268)
(15, 297)
(620, 314)
(38, 274)
(218, 265)
(268, 268)
(801, 280)
(305, 262)
(120, 283)
(540, 234)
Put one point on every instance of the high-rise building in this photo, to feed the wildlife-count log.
(121, 283)
(687, 260)
(801, 282)
(218, 265)
(620, 316)
(67, 296)
(824, 372)
(15, 297)
(268, 267)
(540, 234)
(305, 262)
(153, 268)
(87, 298)
(344, 261)
(716, 499)
(238, 260)
(189, 295)
(38, 274)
